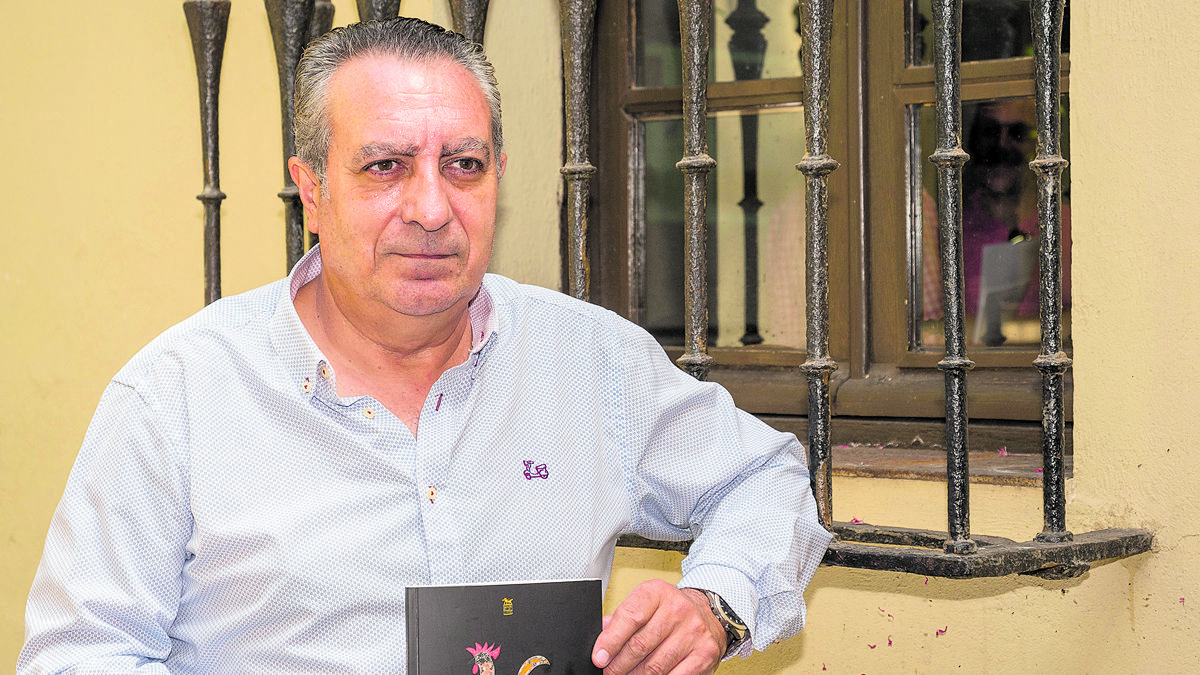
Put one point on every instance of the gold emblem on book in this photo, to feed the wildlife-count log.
(508, 606)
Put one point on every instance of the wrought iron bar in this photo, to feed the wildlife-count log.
(322, 20)
(1047, 18)
(577, 24)
(916, 552)
(747, 47)
(469, 18)
(378, 10)
(949, 159)
(816, 33)
(207, 23)
(695, 17)
(290, 25)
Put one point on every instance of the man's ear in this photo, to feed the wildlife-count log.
(310, 189)
(500, 166)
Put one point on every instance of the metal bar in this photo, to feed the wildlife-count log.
(207, 22)
(864, 546)
(378, 10)
(577, 24)
(290, 25)
(320, 24)
(949, 159)
(1053, 362)
(469, 18)
(897, 549)
(321, 21)
(695, 16)
(747, 47)
(816, 32)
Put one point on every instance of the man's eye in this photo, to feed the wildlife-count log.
(384, 165)
(467, 165)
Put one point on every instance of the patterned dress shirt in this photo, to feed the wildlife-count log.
(230, 513)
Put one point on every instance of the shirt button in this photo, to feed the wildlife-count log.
(369, 413)
(307, 386)
(324, 371)
(431, 493)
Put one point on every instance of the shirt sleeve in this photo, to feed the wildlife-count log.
(702, 469)
(108, 585)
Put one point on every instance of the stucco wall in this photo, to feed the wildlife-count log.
(103, 248)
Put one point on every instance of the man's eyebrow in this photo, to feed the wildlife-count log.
(376, 150)
(467, 145)
(372, 151)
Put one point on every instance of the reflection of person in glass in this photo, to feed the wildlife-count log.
(998, 256)
(1000, 222)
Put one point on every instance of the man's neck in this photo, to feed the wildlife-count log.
(395, 359)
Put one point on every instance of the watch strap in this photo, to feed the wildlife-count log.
(736, 632)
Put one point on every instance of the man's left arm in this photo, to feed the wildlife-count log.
(740, 490)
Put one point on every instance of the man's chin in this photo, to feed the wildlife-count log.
(429, 298)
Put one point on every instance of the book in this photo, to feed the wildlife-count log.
(527, 628)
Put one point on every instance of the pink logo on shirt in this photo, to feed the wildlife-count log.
(532, 471)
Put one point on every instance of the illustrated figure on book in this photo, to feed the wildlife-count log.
(484, 664)
(483, 658)
(261, 483)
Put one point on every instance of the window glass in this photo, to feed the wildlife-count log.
(750, 40)
(1000, 226)
(755, 229)
(991, 29)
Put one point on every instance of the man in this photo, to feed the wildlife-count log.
(262, 481)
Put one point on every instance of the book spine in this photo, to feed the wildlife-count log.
(412, 629)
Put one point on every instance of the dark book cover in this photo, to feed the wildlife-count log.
(534, 628)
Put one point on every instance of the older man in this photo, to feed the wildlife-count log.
(261, 482)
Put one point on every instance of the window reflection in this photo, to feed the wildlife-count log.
(756, 219)
(760, 37)
(991, 29)
(1000, 227)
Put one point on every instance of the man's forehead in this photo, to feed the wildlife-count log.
(379, 70)
(383, 86)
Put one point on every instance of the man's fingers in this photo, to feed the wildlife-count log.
(651, 642)
(629, 618)
(658, 629)
(685, 649)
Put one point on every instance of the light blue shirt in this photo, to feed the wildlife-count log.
(230, 513)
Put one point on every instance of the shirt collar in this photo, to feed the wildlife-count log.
(306, 365)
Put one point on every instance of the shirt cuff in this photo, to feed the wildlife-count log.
(735, 589)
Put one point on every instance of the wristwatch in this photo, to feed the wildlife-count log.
(736, 633)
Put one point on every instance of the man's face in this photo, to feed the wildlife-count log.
(408, 212)
(1004, 143)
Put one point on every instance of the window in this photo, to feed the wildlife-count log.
(876, 252)
(885, 320)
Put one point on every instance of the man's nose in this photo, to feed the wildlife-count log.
(424, 200)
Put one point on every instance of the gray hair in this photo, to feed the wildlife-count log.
(404, 38)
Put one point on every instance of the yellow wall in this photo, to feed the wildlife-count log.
(102, 251)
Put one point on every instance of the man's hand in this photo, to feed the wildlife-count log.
(660, 629)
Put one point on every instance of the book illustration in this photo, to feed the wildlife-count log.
(504, 628)
(531, 663)
(486, 654)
